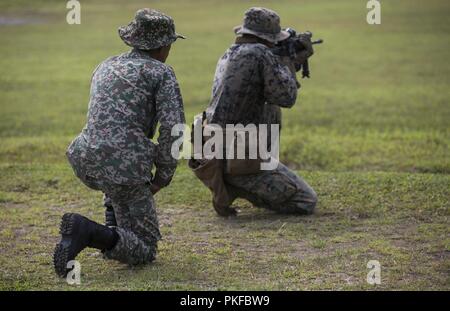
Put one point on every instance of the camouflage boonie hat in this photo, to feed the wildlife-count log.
(263, 23)
(149, 30)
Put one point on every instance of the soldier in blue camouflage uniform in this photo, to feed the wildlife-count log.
(130, 94)
(250, 86)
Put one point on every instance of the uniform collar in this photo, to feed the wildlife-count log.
(244, 40)
(136, 53)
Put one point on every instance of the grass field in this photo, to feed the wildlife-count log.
(370, 132)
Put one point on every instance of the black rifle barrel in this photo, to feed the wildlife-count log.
(318, 41)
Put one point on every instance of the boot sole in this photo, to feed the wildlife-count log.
(61, 252)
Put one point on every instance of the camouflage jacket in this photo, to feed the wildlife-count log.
(130, 94)
(250, 86)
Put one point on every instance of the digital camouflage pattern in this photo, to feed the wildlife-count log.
(137, 224)
(130, 94)
(249, 76)
(137, 221)
(263, 23)
(150, 29)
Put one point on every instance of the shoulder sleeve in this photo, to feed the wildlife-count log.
(280, 84)
(169, 112)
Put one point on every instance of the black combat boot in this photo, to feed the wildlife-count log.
(110, 217)
(77, 233)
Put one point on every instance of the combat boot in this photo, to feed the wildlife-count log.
(77, 233)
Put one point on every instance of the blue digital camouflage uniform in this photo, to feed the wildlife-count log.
(130, 94)
(250, 86)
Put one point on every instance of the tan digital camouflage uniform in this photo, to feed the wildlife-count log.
(250, 86)
(130, 94)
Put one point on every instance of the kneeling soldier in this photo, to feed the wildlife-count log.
(130, 94)
(250, 85)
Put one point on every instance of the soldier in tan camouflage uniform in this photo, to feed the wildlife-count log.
(130, 94)
(250, 86)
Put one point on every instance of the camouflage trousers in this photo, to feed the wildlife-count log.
(280, 190)
(137, 222)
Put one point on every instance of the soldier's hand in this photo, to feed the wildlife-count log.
(305, 39)
(307, 52)
(154, 188)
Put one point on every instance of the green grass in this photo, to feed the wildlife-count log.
(370, 132)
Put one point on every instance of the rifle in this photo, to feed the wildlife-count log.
(293, 45)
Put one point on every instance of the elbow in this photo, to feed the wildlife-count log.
(289, 104)
(283, 101)
(290, 100)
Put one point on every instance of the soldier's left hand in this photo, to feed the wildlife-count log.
(305, 39)
(307, 52)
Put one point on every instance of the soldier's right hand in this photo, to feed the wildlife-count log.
(154, 188)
